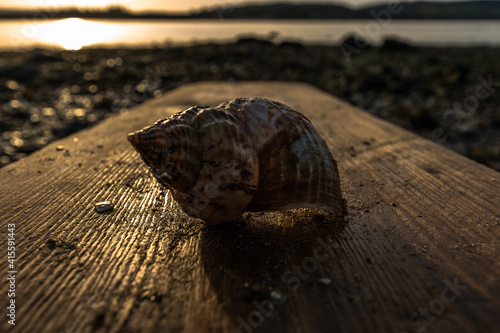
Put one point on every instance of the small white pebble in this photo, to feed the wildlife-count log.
(103, 206)
(325, 281)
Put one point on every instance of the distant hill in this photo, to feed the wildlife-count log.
(442, 11)
(411, 10)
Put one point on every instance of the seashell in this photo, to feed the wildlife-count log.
(250, 154)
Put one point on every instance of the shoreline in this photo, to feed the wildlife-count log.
(49, 94)
(278, 11)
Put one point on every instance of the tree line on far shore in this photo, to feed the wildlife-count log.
(410, 10)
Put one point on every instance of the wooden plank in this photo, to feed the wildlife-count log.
(421, 220)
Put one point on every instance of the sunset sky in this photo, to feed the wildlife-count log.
(165, 5)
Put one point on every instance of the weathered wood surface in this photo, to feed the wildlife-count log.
(421, 218)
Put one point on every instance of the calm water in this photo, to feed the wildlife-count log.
(75, 33)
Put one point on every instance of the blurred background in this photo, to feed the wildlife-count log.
(430, 67)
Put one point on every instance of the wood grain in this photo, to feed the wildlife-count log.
(421, 218)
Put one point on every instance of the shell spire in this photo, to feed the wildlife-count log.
(250, 154)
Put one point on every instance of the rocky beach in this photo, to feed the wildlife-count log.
(449, 95)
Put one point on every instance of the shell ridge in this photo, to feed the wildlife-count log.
(229, 172)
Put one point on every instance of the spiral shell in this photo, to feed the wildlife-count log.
(250, 154)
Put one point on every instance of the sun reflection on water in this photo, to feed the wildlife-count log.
(75, 33)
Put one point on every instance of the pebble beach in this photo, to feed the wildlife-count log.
(449, 95)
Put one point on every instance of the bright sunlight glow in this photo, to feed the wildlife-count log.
(74, 33)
